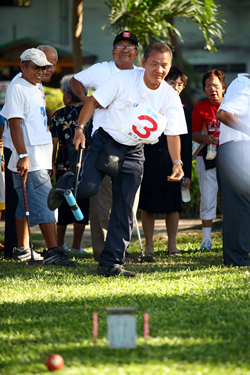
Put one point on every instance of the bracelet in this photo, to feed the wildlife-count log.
(178, 161)
(79, 127)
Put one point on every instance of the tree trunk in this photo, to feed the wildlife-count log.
(77, 15)
(187, 95)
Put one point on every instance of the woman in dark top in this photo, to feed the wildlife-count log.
(158, 195)
(64, 159)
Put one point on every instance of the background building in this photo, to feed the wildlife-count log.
(49, 22)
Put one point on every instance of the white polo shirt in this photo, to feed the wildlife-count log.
(237, 102)
(94, 77)
(122, 93)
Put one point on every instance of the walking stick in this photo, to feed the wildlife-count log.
(143, 257)
(70, 198)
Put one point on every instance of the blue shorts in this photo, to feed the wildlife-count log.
(38, 185)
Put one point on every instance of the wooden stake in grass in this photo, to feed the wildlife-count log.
(95, 327)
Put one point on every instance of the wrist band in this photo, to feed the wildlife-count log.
(79, 127)
(178, 161)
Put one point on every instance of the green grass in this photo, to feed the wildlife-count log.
(199, 315)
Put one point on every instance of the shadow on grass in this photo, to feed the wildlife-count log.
(208, 328)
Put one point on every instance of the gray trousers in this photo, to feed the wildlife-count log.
(233, 174)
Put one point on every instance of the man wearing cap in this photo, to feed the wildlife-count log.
(141, 105)
(31, 156)
(125, 53)
(11, 199)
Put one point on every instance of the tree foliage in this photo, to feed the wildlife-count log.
(149, 19)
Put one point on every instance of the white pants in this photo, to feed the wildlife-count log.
(208, 189)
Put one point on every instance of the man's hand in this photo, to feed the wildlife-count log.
(23, 167)
(177, 173)
(52, 172)
(79, 139)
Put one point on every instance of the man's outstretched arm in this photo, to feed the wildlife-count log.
(85, 114)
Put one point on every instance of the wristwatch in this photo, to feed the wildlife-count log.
(21, 156)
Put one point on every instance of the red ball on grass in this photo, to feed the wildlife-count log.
(54, 362)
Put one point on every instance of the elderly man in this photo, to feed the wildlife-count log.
(141, 106)
(10, 240)
(125, 53)
(233, 171)
(31, 156)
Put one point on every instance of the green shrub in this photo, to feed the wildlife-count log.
(54, 101)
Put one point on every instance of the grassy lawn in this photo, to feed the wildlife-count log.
(199, 315)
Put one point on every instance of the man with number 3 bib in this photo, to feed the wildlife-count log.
(141, 106)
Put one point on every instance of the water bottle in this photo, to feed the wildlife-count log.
(212, 149)
(185, 193)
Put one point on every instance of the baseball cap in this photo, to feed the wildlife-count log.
(35, 55)
(125, 35)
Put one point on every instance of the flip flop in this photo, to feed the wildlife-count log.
(176, 253)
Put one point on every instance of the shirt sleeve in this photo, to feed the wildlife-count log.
(15, 103)
(237, 104)
(108, 92)
(176, 123)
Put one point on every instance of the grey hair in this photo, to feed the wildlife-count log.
(66, 88)
(157, 46)
(44, 47)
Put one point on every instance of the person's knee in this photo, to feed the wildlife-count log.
(88, 191)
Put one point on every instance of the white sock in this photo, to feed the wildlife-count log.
(206, 234)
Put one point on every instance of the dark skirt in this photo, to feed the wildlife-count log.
(160, 202)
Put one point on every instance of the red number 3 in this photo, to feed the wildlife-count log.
(147, 130)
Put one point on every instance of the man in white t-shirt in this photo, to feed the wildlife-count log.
(233, 171)
(125, 53)
(141, 105)
(31, 145)
(10, 240)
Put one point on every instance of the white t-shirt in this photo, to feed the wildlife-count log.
(122, 93)
(237, 102)
(94, 77)
(6, 133)
(20, 99)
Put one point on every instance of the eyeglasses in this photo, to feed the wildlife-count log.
(209, 87)
(50, 67)
(37, 69)
(128, 48)
(175, 84)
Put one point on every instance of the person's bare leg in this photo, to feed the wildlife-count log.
(78, 233)
(22, 233)
(172, 227)
(49, 234)
(61, 230)
(207, 223)
(148, 223)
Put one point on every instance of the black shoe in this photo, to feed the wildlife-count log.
(115, 270)
(132, 257)
(56, 194)
(25, 255)
(57, 257)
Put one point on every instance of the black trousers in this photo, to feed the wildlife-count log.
(11, 200)
(124, 188)
(233, 174)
